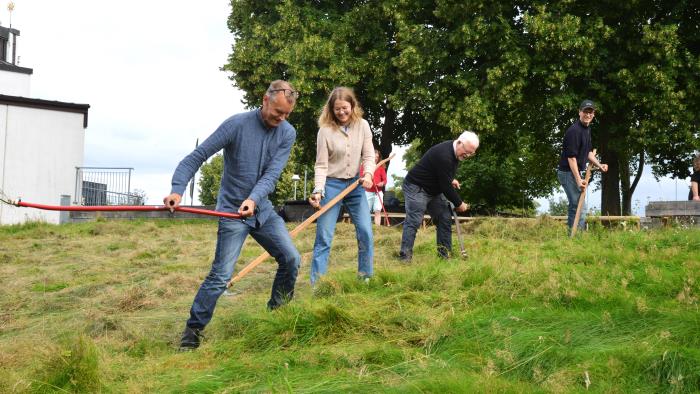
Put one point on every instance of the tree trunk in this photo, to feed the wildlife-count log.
(610, 181)
(610, 196)
(627, 189)
(387, 137)
(625, 186)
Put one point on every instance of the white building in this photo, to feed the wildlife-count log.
(41, 141)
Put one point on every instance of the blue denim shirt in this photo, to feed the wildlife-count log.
(254, 157)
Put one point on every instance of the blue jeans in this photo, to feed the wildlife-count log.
(272, 236)
(356, 205)
(417, 201)
(573, 194)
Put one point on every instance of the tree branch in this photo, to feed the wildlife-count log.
(638, 176)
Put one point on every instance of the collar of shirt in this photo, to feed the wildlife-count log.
(258, 114)
(454, 147)
(582, 125)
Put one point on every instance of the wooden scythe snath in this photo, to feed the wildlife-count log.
(581, 199)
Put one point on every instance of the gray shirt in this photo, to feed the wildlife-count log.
(254, 157)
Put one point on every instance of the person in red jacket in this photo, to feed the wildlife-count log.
(375, 194)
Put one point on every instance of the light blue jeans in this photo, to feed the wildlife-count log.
(573, 194)
(356, 205)
(374, 201)
(273, 237)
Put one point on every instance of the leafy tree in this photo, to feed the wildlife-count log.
(558, 207)
(316, 45)
(512, 71)
(210, 179)
(639, 60)
(516, 71)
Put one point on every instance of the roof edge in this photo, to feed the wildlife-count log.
(17, 69)
(46, 104)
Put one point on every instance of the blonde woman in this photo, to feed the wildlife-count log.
(344, 142)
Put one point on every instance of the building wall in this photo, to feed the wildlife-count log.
(39, 150)
(14, 84)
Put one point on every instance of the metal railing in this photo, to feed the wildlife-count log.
(104, 186)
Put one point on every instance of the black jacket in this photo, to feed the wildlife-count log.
(435, 171)
(577, 143)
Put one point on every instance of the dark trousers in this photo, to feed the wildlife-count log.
(417, 202)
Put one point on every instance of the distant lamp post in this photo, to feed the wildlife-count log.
(295, 179)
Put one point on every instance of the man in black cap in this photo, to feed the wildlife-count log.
(574, 156)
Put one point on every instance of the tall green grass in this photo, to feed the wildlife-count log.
(99, 307)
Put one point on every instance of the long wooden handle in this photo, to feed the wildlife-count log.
(302, 226)
(581, 199)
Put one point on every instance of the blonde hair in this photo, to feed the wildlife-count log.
(696, 163)
(328, 119)
(279, 86)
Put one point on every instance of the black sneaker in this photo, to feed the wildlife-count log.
(406, 259)
(190, 339)
(443, 253)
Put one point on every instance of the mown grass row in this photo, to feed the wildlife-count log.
(100, 306)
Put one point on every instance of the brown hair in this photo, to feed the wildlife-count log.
(696, 163)
(378, 152)
(328, 119)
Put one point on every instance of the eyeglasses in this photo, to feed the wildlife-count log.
(589, 111)
(288, 93)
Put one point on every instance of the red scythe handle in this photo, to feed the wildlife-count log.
(111, 208)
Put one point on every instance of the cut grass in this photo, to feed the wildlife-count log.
(100, 307)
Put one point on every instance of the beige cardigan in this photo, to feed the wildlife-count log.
(338, 154)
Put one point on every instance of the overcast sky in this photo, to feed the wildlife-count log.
(150, 71)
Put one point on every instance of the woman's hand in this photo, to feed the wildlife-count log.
(315, 200)
(367, 181)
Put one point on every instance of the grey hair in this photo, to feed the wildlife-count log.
(469, 136)
(279, 84)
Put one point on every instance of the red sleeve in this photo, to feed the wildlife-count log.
(379, 175)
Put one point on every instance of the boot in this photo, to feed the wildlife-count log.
(190, 339)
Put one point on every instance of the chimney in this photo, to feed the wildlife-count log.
(7, 36)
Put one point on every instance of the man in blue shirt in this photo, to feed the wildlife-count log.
(256, 147)
(576, 153)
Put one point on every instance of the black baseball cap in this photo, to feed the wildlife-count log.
(587, 104)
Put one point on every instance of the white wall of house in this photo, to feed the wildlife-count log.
(39, 150)
(14, 84)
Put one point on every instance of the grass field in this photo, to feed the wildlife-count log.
(99, 307)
